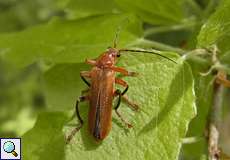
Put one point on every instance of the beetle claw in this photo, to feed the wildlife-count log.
(129, 125)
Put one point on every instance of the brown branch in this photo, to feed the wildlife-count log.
(215, 111)
(215, 114)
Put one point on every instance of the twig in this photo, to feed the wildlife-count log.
(215, 114)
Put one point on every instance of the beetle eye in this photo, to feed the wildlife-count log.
(108, 48)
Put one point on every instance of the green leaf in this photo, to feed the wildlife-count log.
(197, 127)
(203, 90)
(62, 85)
(164, 92)
(63, 41)
(45, 140)
(225, 59)
(216, 29)
(85, 8)
(151, 11)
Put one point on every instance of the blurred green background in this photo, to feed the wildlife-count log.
(21, 94)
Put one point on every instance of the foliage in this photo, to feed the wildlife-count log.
(43, 49)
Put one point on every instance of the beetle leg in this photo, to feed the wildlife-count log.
(132, 105)
(75, 130)
(123, 83)
(91, 62)
(119, 93)
(123, 71)
(85, 74)
(124, 97)
(85, 91)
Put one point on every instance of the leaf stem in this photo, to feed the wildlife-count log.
(189, 140)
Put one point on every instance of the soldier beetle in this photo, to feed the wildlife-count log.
(101, 91)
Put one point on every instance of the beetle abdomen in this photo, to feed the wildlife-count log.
(101, 98)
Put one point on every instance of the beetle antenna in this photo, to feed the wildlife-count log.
(145, 51)
(116, 37)
(119, 28)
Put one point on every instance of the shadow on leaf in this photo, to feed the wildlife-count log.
(177, 88)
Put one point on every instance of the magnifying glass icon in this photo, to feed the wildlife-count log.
(9, 147)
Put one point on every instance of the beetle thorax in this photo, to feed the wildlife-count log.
(107, 59)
